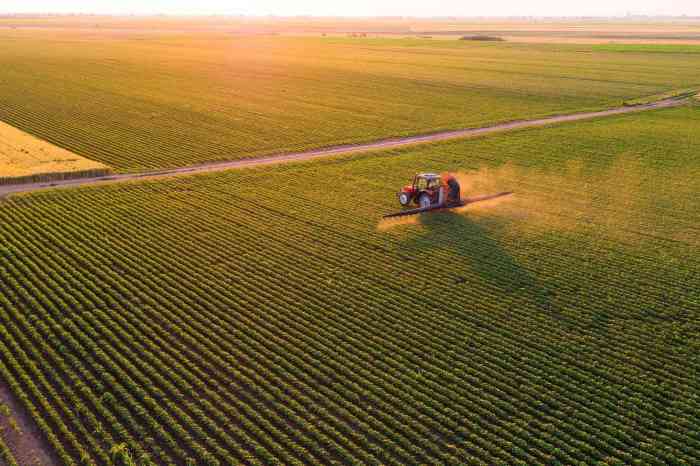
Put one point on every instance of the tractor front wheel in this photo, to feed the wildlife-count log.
(424, 201)
(404, 199)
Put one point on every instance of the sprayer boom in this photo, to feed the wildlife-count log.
(446, 206)
(421, 210)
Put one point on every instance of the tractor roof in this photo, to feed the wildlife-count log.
(428, 175)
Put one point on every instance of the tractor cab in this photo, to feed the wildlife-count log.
(424, 181)
(428, 189)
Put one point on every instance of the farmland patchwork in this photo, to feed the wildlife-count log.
(166, 101)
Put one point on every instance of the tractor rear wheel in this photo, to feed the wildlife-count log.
(424, 201)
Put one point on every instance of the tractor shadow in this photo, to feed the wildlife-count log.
(479, 250)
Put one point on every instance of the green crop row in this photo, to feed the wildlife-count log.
(673, 94)
(6, 455)
(262, 317)
(119, 102)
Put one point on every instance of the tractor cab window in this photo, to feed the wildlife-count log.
(421, 183)
(434, 183)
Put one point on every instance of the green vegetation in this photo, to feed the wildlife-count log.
(6, 456)
(141, 101)
(674, 94)
(263, 316)
(121, 455)
(483, 38)
(648, 48)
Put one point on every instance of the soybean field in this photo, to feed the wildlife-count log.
(145, 99)
(191, 321)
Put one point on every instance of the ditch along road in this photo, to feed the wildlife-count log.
(6, 190)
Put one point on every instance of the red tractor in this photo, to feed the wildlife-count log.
(433, 192)
(430, 190)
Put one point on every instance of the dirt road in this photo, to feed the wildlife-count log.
(346, 149)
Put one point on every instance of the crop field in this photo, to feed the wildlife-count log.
(145, 100)
(26, 158)
(648, 48)
(7, 423)
(190, 321)
(6, 455)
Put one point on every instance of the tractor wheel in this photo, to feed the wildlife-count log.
(404, 199)
(424, 201)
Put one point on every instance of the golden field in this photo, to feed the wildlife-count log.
(24, 158)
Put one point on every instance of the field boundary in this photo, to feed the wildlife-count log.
(22, 436)
(6, 190)
(27, 158)
(49, 177)
(674, 94)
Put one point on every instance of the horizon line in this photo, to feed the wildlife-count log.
(315, 16)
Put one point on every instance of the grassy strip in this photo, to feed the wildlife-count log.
(56, 176)
(675, 94)
(483, 38)
(648, 48)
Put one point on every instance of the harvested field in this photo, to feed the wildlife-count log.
(25, 159)
(199, 322)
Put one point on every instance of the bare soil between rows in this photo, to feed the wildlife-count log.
(28, 445)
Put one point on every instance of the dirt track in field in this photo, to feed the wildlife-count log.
(22, 435)
(6, 190)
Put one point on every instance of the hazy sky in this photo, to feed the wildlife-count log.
(363, 7)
